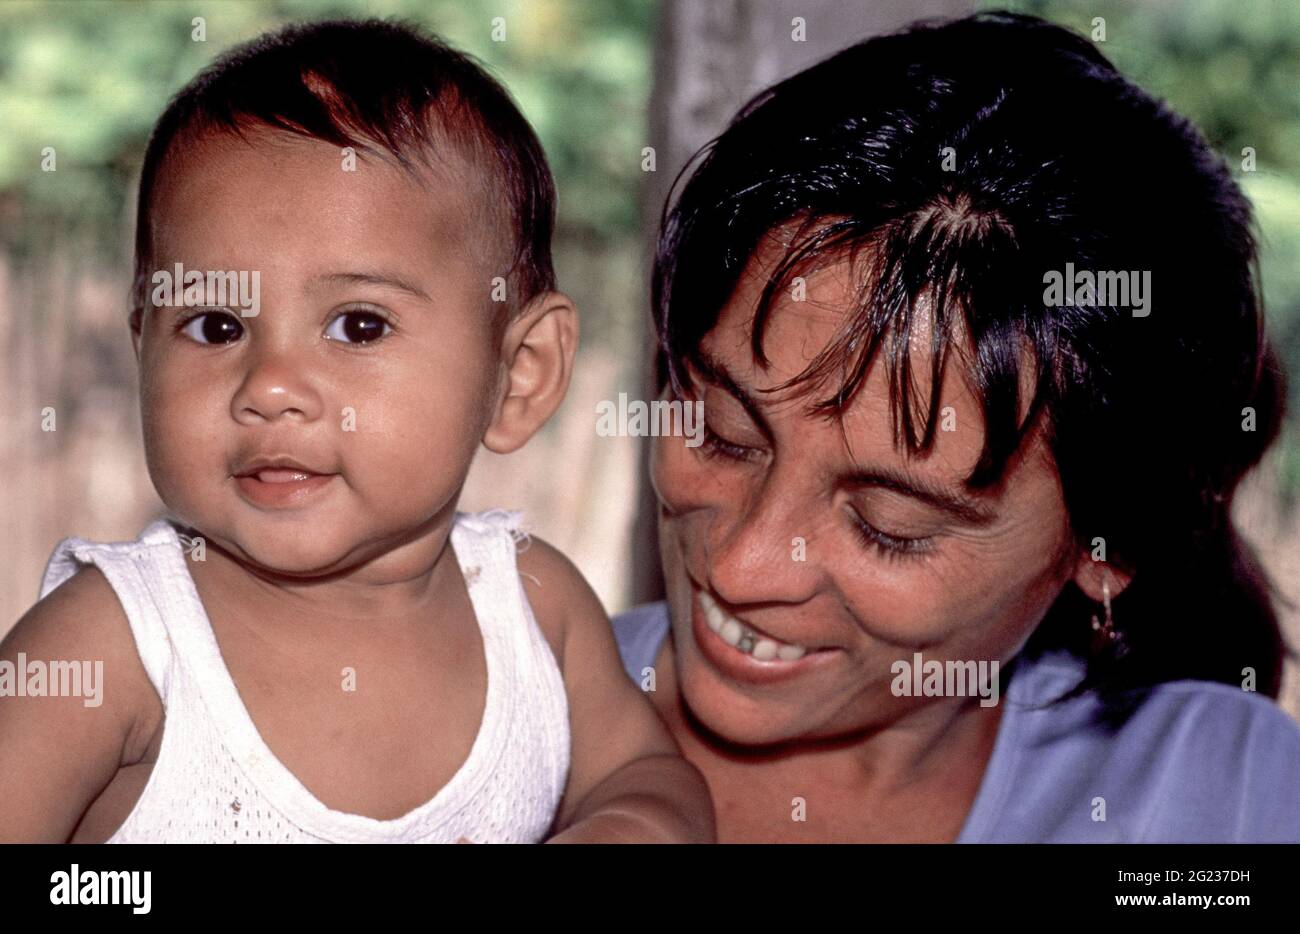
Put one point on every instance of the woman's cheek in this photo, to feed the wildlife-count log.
(683, 480)
(909, 602)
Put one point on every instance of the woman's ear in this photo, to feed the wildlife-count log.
(538, 349)
(1090, 574)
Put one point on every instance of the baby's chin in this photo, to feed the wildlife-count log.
(311, 549)
(291, 554)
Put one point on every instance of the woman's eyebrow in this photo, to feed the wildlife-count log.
(391, 280)
(957, 505)
(716, 372)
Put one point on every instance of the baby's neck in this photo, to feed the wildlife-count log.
(405, 584)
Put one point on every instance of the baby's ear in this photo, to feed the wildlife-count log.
(538, 349)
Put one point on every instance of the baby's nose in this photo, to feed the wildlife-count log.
(275, 388)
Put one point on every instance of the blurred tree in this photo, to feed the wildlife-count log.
(88, 78)
(1234, 70)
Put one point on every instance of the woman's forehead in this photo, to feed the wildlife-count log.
(810, 310)
(805, 316)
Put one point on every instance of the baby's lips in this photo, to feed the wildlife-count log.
(463, 840)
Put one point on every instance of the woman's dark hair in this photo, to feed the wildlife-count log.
(970, 158)
(380, 86)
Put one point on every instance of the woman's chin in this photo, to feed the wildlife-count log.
(730, 714)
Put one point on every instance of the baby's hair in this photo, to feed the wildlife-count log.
(383, 87)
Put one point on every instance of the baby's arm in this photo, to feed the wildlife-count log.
(56, 753)
(627, 779)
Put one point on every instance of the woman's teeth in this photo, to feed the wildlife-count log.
(736, 634)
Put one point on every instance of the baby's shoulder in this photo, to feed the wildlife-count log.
(81, 620)
(561, 600)
(81, 613)
(559, 595)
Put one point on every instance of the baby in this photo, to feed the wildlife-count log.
(343, 286)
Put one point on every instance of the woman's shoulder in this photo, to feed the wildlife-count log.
(1175, 712)
(1190, 761)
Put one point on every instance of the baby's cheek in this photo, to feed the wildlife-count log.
(182, 446)
(418, 451)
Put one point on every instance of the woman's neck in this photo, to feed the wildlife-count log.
(914, 779)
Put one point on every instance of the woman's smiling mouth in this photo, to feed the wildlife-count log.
(745, 653)
(744, 638)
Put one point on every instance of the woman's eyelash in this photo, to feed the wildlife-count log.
(890, 547)
(715, 445)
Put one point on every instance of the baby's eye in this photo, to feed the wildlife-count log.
(358, 327)
(213, 327)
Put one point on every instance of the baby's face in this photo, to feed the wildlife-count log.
(372, 358)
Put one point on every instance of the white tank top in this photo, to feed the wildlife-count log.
(215, 779)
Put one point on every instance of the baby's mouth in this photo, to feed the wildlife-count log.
(278, 468)
(281, 475)
(279, 481)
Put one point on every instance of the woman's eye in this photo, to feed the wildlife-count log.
(891, 547)
(715, 445)
(358, 327)
(213, 327)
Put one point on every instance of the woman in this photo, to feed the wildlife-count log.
(975, 326)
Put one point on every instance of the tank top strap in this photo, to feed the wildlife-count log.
(493, 523)
(485, 544)
(142, 576)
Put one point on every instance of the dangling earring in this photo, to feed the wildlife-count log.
(1107, 636)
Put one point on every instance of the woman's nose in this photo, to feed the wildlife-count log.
(760, 553)
(278, 384)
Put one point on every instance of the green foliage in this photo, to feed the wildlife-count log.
(1234, 70)
(89, 77)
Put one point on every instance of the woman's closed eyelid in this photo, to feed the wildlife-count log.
(715, 443)
(890, 545)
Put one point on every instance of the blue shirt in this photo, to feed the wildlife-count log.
(1195, 762)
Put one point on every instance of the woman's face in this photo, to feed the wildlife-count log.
(768, 526)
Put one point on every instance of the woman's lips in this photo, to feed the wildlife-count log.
(734, 648)
(278, 487)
